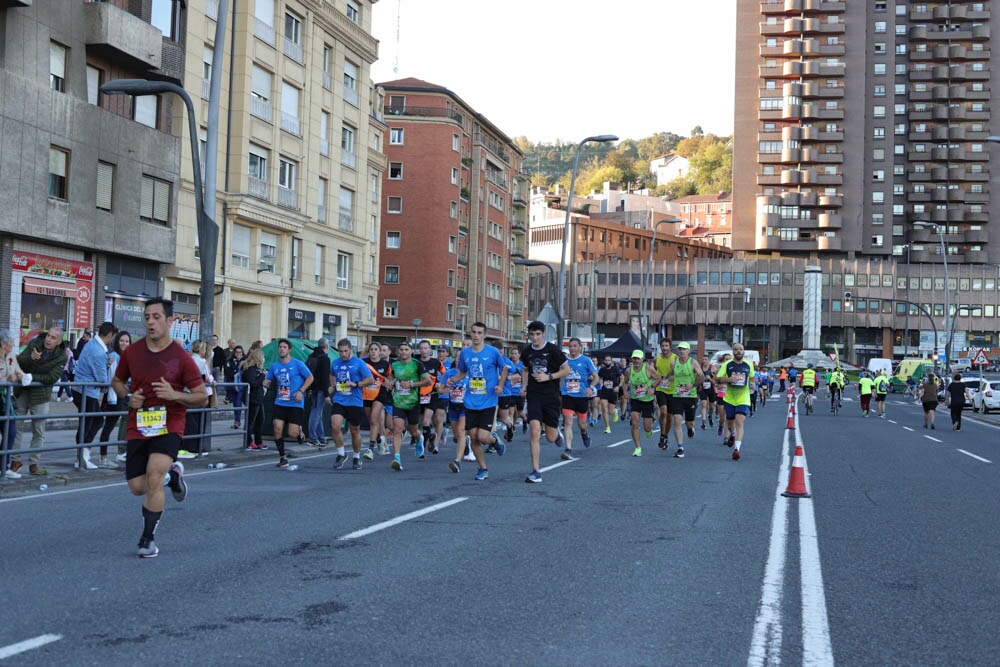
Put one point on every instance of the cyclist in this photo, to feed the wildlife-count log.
(866, 386)
(881, 389)
(809, 386)
(837, 380)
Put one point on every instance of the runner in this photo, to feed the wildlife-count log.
(881, 389)
(433, 412)
(510, 399)
(665, 390)
(293, 379)
(548, 366)
(389, 355)
(928, 398)
(865, 387)
(376, 397)
(957, 395)
(409, 376)
(456, 415)
(641, 378)
(350, 376)
(707, 392)
(611, 382)
(720, 392)
(577, 389)
(486, 371)
(735, 374)
(623, 366)
(687, 377)
(165, 382)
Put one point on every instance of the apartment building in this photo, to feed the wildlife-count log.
(454, 212)
(856, 120)
(89, 195)
(298, 174)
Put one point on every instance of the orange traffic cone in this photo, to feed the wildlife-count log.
(791, 420)
(797, 478)
(791, 408)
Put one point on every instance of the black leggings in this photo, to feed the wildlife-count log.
(255, 423)
(956, 414)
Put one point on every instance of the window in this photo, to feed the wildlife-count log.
(392, 240)
(878, 153)
(390, 308)
(456, 142)
(321, 201)
(144, 110)
(347, 156)
(880, 26)
(353, 11)
(165, 16)
(263, 20)
(257, 172)
(878, 218)
(268, 250)
(396, 136)
(289, 108)
(395, 171)
(105, 185)
(207, 58)
(454, 176)
(293, 37)
(57, 67)
(371, 268)
(327, 69)
(878, 197)
(296, 257)
(260, 93)
(58, 172)
(392, 275)
(452, 244)
(350, 83)
(394, 205)
(94, 77)
(343, 270)
(240, 254)
(879, 48)
(878, 176)
(878, 133)
(879, 90)
(453, 210)
(451, 277)
(346, 209)
(154, 201)
(286, 183)
(878, 241)
(878, 111)
(373, 181)
(320, 262)
(324, 133)
(879, 68)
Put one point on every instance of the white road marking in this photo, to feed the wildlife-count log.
(816, 646)
(892, 421)
(400, 519)
(27, 645)
(931, 438)
(619, 443)
(978, 458)
(908, 428)
(557, 465)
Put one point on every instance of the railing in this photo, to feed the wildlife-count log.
(327, 81)
(491, 145)
(293, 50)
(348, 159)
(497, 178)
(427, 112)
(263, 31)
(324, 147)
(288, 198)
(290, 123)
(206, 87)
(346, 222)
(258, 187)
(260, 107)
(84, 424)
(351, 95)
(321, 214)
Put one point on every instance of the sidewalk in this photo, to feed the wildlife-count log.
(226, 447)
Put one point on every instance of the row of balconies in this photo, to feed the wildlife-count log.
(120, 36)
(954, 214)
(821, 221)
(803, 133)
(939, 154)
(954, 13)
(818, 243)
(947, 195)
(808, 177)
(923, 235)
(807, 111)
(801, 26)
(948, 133)
(950, 52)
(934, 33)
(808, 156)
(768, 7)
(794, 198)
(807, 90)
(948, 175)
(948, 73)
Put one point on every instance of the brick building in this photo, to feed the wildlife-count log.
(707, 218)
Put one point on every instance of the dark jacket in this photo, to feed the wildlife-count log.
(44, 372)
(218, 357)
(231, 368)
(319, 364)
(254, 377)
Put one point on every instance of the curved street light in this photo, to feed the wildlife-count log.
(644, 315)
(520, 260)
(939, 230)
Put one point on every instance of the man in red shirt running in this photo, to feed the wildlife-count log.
(160, 371)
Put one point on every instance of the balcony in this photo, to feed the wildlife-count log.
(290, 123)
(346, 220)
(350, 95)
(288, 198)
(113, 33)
(259, 188)
(260, 107)
(976, 236)
(263, 31)
(321, 214)
(423, 112)
(293, 50)
(828, 243)
(520, 201)
(829, 221)
(518, 228)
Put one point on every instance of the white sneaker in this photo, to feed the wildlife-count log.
(107, 463)
(87, 463)
(12, 475)
(120, 457)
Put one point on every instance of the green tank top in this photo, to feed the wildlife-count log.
(640, 385)
(684, 377)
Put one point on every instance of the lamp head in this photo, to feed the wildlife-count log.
(602, 138)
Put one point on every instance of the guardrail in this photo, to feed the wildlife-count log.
(89, 422)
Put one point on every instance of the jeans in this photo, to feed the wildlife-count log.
(315, 430)
(8, 430)
(23, 406)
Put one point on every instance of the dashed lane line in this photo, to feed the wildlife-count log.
(932, 438)
(27, 645)
(978, 458)
(400, 519)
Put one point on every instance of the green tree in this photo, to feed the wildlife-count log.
(682, 186)
(656, 145)
(712, 167)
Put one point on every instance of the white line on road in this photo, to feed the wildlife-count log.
(619, 443)
(892, 421)
(816, 647)
(400, 519)
(931, 438)
(557, 465)
(908, 428)
(27, 645)
(978, 458)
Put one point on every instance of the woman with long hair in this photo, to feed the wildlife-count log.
(252, 369)
(110, 401)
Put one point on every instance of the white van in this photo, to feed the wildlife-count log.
(876, 365)
(753, 356)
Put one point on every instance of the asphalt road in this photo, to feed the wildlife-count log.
(611, 560)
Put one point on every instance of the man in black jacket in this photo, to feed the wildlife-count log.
(218, 359)
(43, 358)
(319, 392)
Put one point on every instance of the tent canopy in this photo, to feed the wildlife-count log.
(627, 343)
(815, 357)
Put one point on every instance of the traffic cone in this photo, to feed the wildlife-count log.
(791, 420)
(791, 408)
(797, 478)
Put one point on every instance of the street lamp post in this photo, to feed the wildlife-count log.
(947, 291)
(644, 315)
(462, 310)
(593, 297)
(687, 295)
(521, 261)
(208, 231)
(906, 330)
(600, 138)
(416, 328)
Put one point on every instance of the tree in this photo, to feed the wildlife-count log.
(659, 144)
(696, 131)
(712, 166)
(690, 146)
(682, 186)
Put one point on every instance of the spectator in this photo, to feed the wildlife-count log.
(10, 371)
(80, 344)
(253, 375)
(235, 394)
(43, 358)
(318, 364)
(194, 427)
(67, 377)
(217, 356)
(92, 367)
(110, 403)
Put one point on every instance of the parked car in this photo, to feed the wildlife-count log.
(987, 397)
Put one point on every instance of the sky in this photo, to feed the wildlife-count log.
(567, 69)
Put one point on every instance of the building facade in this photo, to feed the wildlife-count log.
(298, 172)
(454, 211)
(867, 117)
(707, 217)
(89, 198)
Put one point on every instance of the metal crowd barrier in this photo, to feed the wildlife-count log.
(205, 416)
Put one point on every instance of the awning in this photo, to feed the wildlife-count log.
(50, 287)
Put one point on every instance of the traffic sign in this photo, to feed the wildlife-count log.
(980, 359)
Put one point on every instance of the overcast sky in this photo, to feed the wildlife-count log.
(566, 69)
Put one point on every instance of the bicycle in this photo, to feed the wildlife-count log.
(835, 400)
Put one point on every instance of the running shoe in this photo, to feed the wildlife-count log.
(614, 417)
(357, 464)
(732, 440)
(455, 466)
(637, 451)
(649, 434)
(147, 548)
(481, 474)
(586, 440)
(679, 454)
(283, 462)
(607, 429)
(338, 462)
(469, 456)
(736, 455)
(498, 446)
(702, 424)
(567, 455)
(508, 433)
(262, 445)
(710, 422)
(177, 485)
(397, 465)
(524, 427)
(534, 478)
(560, 441)
(932, 427)
(419, 451)
(490, 449)
(720, 429)
(368, 454)
(663, 444)
(690, 431)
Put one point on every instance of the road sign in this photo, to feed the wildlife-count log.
(980, 359)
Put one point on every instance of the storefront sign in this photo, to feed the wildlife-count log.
(331, 320)
(56, 267)
(58, 277)
(296, 315)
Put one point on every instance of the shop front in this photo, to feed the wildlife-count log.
(50, 291)
(331, 328)
(300, 323)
